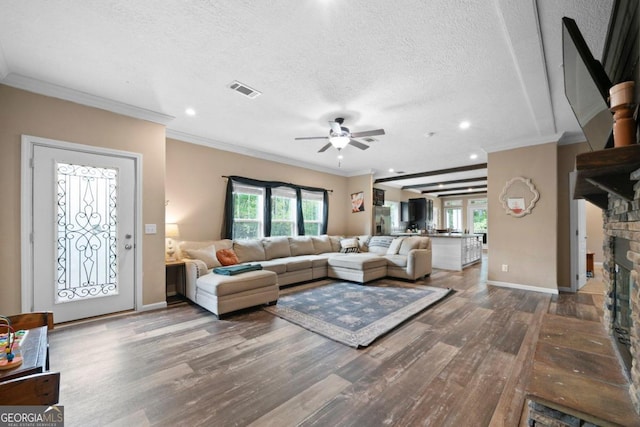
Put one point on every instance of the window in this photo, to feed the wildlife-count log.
(283, 212)
(453, 214)
(312, 212)
(248, 203)
(255, 209)
(478, 215)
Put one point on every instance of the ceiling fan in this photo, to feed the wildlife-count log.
(340, 136)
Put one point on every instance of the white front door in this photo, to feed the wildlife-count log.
(84, 217)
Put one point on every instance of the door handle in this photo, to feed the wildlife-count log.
(128, 246)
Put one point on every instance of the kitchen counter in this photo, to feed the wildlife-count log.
(455, 251)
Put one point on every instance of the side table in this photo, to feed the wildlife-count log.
(176, 274)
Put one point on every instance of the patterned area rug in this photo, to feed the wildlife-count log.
(354, 314)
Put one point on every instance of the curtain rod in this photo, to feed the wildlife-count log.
(288, 183)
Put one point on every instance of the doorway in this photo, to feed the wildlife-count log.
(80, 227)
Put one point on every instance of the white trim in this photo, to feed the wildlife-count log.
(509, 145)
(83, 98)
(26, 209)
(522, 287)
(154, 306)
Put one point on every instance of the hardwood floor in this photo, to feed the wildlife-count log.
(463, 362)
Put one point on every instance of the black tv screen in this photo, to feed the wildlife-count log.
(586, 86)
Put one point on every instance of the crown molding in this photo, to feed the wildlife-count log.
(554, 138)
(225, 146)
(571, 138)
(49, 89)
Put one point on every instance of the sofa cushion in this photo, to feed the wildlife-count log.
(276, 247)
(190, 244)
(396, 260)
(207, 254)
(278, 265)
(410, 243)
(297, 264)
(357, 261)
(380, 244)
(227, 257)
(363, 242)
(394, 247)
(301, 245)
(249, 250)
(321, 244)
(335, 243)
(220, 285)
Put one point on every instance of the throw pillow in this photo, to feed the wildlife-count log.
(349, 250)
(227, 257)
(207, 255)
(394, 247)
(349, 243)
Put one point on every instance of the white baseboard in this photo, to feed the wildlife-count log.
(155, 306)
(522, 287)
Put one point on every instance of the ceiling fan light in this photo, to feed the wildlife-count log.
(339, 141)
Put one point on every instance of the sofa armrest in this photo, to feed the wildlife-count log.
(419, 263)
(194, 268)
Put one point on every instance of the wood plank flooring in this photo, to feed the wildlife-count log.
(463, 362)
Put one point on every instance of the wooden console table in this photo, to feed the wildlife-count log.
(33, 350)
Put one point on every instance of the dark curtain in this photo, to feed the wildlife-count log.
(267, 212)
(325, 212)
(268, 185)
(227, 221)
(299, 214)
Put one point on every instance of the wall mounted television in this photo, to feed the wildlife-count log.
(586, 86)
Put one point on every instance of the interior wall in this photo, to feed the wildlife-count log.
(528, 245)
(566, 164)
(28, 113)
(196, 189)
(359, 223)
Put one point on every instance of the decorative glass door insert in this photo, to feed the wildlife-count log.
(87, 238)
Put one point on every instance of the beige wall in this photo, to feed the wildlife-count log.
(195, 189)
(360, 222)
(31, 114)
(528, 245)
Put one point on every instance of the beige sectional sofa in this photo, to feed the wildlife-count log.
(295, 260)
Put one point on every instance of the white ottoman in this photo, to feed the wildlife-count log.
(359, 268)
(222, 294)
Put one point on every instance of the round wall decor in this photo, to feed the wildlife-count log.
(519, 196)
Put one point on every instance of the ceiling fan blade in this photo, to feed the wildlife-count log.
(335, 127)
(312, 137)
(357, 144)
(367, 133)
(323, 149)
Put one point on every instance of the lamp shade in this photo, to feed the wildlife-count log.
(171, 230)
(339, 141)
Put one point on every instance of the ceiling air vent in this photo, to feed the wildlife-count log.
(244, 89)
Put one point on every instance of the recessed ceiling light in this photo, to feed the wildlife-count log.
(464, 125)
(390, 169)
(469, 189)
(190, 112)
(441, 185)
(340, 156)
(473, 156)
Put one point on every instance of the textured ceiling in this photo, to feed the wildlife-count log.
(412, 67)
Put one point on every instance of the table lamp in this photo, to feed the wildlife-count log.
(171, 231)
